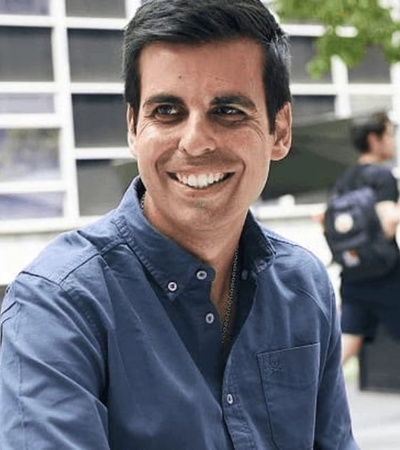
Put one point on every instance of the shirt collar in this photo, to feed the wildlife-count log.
(167, 261)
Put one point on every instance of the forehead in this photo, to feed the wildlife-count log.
(233, 65)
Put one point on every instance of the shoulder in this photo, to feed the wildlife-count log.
(298, 278)
(292, 257)
(271, 250)
(70, 279)
(73, 250)
(379, 170)
(384, 183)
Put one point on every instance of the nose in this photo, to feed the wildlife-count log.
(198, 136)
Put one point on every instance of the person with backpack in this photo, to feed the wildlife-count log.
(360, 225)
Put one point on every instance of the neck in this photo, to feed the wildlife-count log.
(214, 245)
(212, 241)
(369, 158)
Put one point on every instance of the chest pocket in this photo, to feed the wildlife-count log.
(290, 384)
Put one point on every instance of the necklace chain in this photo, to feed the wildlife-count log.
(226, 323)
(142, 200)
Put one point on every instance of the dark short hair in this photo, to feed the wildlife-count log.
(196, 22)
(362, 126)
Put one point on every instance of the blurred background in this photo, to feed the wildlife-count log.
(63, 153)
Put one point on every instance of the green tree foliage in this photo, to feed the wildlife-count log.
(351, 27)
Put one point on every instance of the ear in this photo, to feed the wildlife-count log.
(131, 136)
(373, 141)
(282, 133)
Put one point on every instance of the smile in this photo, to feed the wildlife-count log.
(201, 181)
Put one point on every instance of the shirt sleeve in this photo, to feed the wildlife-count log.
(385, 185)
(51, 371)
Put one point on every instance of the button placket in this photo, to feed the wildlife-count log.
(201, 275)
(172, 286)
(210, 318)
(229, 399)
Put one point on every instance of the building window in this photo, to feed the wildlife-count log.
(373, 68)
(25, 54)
(31, 206)
(29, 155)
(99, 120)
(26, 103)
(95, 55)
(36, 7)
(95, 8)
(107, 177)
(312, 106)
(303, 51)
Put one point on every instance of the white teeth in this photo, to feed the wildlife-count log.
(200, 181)
(192, 181)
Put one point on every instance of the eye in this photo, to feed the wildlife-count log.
(167, 113)
(166, 110)
(227, 114)
(227, 111)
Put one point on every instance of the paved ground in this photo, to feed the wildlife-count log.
(375, 416)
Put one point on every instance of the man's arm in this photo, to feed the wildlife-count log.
(389, 215)
(388, 209)
(51, 373)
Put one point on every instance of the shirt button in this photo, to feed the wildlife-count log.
(210, 318)
(201, 275)
(172, 286)
(229, 399)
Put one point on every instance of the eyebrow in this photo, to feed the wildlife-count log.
(162, 98)
(223, 100)
(233, 100)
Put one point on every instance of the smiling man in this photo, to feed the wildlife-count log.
(177, 321)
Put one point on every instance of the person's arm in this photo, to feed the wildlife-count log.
(333, 424)
(52, 371)
(389, 215)
(387, 207)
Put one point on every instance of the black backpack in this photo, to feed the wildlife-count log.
(355, 236)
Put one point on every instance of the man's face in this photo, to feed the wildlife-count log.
(202, 139)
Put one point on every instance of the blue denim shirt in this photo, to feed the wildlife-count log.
(111, 341)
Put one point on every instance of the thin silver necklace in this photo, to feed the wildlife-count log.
(226, 323)
(142, 200)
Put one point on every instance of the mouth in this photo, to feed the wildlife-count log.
(201, 181)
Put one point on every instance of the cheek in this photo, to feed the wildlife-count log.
(151, 133)
(258, 159)
(258, 147)
(257, 165)
(261, 173)
(153, 148)
(147, 140)
(144, 147)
